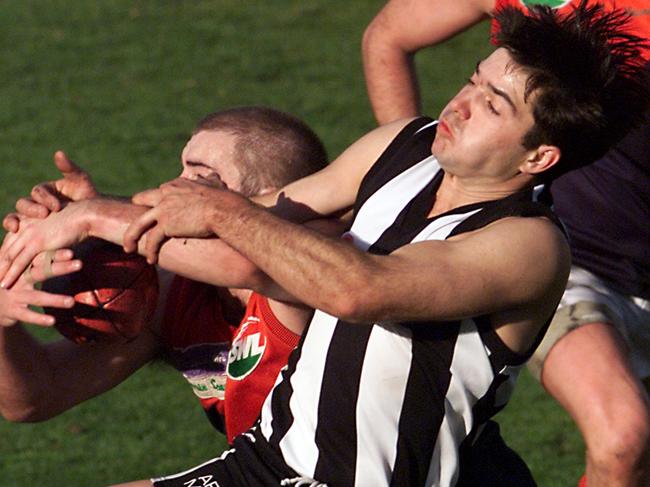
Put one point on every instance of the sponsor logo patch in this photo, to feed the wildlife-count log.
(247, 350)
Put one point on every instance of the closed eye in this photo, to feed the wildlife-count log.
(490, 105)
(491, 108)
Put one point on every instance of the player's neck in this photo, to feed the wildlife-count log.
(455, 192)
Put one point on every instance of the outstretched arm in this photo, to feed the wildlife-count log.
(327, 192)
(523, 265)
(41, 380)
(210, 261)
(37, 380)
(391, 40)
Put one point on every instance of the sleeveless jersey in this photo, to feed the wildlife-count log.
(393, 403)
(605, 205)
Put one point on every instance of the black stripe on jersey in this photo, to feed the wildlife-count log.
(339, 392)
(389, 166)
(517, 204)
(282, 418)
(432, 354)
(410, 221)
(500, 354)
(487, 406)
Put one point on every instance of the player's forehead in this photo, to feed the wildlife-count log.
(504, 76)
(215, 148)
(213, 152)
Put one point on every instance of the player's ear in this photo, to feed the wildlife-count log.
(541, 159)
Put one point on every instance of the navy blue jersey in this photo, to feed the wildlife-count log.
(606, 209)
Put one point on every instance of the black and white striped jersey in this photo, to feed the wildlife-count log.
(391, 404)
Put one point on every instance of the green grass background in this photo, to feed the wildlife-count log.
(119, 84)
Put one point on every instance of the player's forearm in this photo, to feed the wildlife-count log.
(391, 83)
(400, 30)
(389, 70)
(324, 273)
(108, 218)
(212, 261)
(207, 260)
(23, 376)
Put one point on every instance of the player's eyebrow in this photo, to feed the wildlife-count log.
(496, 90)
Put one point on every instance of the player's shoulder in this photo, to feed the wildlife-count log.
(530, 237)
(380, 138)
(539, 226)
(522, 235)
(365, 151)
(390, 130)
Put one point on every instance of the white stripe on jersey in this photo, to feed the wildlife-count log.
(383, 383)
(298, 445)
(471, 377)
(441, 227)
(380, 210)
(424, 127)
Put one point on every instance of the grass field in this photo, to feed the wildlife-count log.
(119, 84)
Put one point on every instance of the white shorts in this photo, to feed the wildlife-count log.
(588, 299)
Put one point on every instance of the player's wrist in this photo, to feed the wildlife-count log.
(99, 221)
(225, 207)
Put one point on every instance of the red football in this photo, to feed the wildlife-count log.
(115, 294)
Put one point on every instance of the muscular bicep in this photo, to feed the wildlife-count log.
(512, 264)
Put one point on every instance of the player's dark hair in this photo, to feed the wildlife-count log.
(586, 75)
(273, 148)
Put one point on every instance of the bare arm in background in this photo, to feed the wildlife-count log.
(391, 40)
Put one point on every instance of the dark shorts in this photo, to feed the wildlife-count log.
(489, 462)
(247, 467)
